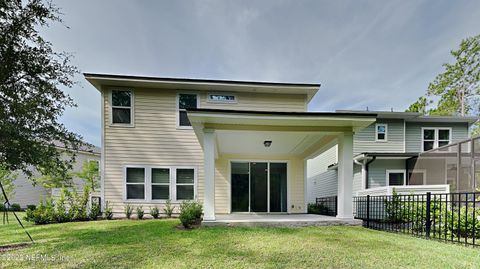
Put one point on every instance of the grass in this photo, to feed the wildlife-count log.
(158, 244)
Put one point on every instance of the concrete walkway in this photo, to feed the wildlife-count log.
(278, 220)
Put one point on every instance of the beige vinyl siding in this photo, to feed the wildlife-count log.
(414, 133)
(154, 140)
(364, 140)
(259, 101)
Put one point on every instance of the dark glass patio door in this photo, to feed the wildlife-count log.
(258, 187)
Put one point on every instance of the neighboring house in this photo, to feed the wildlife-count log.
(236, 146)
(385, 156)
(27, 194)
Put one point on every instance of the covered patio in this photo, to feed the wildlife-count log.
(255, 163)
(278, 220)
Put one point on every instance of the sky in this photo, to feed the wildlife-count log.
(376, 54)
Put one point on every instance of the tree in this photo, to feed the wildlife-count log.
(31, 77)
(7, 179)
(90, 174)
(458, 87)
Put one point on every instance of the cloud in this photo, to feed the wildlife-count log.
(364, 53)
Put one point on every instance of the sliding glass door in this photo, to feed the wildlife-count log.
(259, 187)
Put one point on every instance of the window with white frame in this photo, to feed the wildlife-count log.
(185, 183)
(396, 177)
(435, 137)
(185, 101)
(160, 183)
(221, 98)
(135, 181)
(381, 132)
(122, 107)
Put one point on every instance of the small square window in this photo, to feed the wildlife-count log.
(381, 132)
(395, 178)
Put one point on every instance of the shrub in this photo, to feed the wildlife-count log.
(31, 207)
(61, 213)
(154, 212)
(128, 209)
(319, 209)
(15, 207)
(2, 207)
(140, 212)
(168, 209)
(190, 213)
(94, 211)
(43, 214)
(108, 211)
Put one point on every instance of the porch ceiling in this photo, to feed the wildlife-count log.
(296, 133)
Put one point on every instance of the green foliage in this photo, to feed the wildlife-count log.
(32, 76)
(90, 174)
(31, 207)
(154, 212)
(43, 214)
(168, 209)
(140, 212)
(7, 179)
(61, 213)
(190, 213)
(393, 208)
(319, 209)
(50, 180)
(108, 211)
(457, 88)
(15, 207)
(94, 211)
(128, 209)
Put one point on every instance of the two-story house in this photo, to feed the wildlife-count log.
(385, 156)
(236, 146)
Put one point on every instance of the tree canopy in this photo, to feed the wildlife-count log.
(456, 90)
(32, 75)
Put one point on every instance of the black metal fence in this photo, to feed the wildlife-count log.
(327, 205)
(451, 217)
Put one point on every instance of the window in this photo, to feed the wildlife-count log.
(185, 180)
(160, 183)
(121, 107)
(222, 98)
(395, 177)
(381, 132)
(435, 137)
(185, 101)
(157, 184)
(135, 183)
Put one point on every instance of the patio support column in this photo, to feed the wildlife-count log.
(345, 176)
(209, 172)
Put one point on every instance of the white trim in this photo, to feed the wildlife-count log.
(419, 171)
(435, 138)
(234, 101)
(177, 109)
(391, 171)
(102, 155)
(131, 107)
(386, 132)
(145, 176)
(287, 162)
(148, 183)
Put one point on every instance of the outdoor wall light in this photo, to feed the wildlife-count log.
(267, 143)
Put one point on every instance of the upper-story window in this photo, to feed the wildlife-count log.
(122, 107)
(221, 98)
(381, 132)
(185, 101)
(435, 137)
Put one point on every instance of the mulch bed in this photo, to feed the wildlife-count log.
(6, 248)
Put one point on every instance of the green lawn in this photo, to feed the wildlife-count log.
(158, 244)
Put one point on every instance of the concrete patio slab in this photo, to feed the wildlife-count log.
(278, 220)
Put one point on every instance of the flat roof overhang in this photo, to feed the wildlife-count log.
(276, 120)
(385, 155)
(304, 134)
(99, 80)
